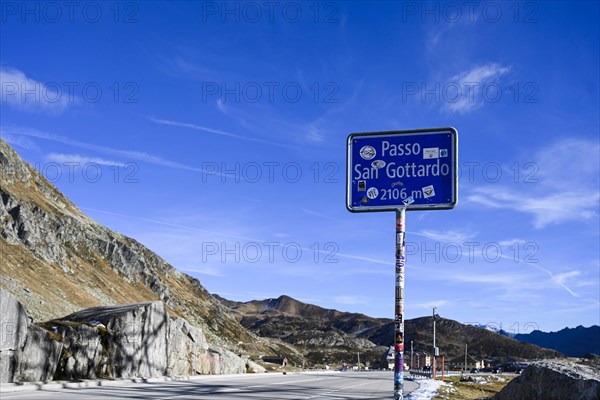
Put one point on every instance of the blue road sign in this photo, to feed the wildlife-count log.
(416, 169)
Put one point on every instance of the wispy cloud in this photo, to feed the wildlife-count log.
(173, 225)
(184, 63)
(439, 34)
(511, 242)
(195, 127)
(128, 155)
(320, 215)
(562, 278)
(549, 209)
(573, 160)
(203, 270)
(433, 303)
(463, 247)
(505, 279)
(450, 236)
(187, 69)
(81, 160)
(263, 118)
(560, 189)
(19, 141)
(325, 252)
(215, 131)
(222, 107)
(470, 84)
(24, 93)
(522, 279)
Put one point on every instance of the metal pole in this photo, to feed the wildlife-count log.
(434, 330)
(466, 357)
(442, 368)
(399, 312)
(411, 355)
(434, 348)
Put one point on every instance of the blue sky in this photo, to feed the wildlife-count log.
(214, 133)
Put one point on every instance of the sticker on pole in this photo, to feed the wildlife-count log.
(416, 169)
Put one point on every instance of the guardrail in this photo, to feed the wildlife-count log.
(420, 374)
(429, 374)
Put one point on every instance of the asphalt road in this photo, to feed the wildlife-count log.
(344, 385)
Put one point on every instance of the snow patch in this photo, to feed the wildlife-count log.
(427, 390)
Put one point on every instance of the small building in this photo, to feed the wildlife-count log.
(420, 360)
(458, 363)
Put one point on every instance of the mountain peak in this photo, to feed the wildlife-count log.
(318, 330)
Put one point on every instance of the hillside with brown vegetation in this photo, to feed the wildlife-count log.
(325, 334)
(55, 260)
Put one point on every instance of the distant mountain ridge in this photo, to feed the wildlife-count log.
(311, 327)
(494, 328)
(573, 342)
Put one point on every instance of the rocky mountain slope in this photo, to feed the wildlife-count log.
(57, 261)
(574, 342)
(324, 336)
(341, 334)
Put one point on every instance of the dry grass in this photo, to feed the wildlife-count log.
(457, 390)
(48, 292)
(31, 192)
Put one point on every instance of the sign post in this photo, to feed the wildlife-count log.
(402, 171)
(399, 302)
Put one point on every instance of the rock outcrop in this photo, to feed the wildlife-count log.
(254, 368)
(39, 358)
(554, 380)
(27, 352)
(129, 341)
(13, 331)
(134, 340)
(189, 353)
(85, 352)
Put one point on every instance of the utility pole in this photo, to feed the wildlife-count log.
(466, 357)
(411, 354)
(434, 312)
(358, 356)
(435, 350)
